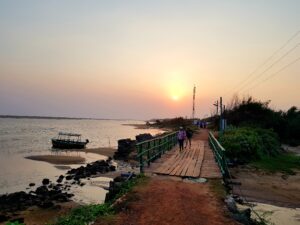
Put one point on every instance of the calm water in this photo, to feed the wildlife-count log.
(24, 137)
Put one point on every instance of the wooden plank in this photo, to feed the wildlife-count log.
(181, 155)
(189, 161)
(171, 163)
(178, 164)
(192, 166)
(197, 170)
(163, 168)
(185, 164)
(191, 172)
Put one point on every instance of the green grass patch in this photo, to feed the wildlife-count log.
(85, 214)
(14, 223)
(217, 187)
(284, 162)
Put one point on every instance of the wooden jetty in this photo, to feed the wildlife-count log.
(195, 162)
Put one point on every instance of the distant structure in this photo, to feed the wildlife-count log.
(194, 94)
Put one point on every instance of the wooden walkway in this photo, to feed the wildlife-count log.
(197, 161)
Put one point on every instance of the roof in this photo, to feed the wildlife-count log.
(69, 134)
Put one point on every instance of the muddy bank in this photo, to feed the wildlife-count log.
(276, 215)
(58, 159)
(275, 189)
(106, 151)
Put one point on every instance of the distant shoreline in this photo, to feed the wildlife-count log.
(57, 118)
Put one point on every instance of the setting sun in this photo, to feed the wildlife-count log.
(177, 86)
(175, 97)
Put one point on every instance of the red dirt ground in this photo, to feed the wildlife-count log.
(167, 202)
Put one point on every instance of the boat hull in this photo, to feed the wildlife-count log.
(64, 144)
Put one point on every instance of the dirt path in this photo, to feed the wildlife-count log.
(165, 200)
(174, 202)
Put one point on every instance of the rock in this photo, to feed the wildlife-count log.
(4, 218)
(244, 217)
(69, 177)
(231, 204)
(120, 179)
(59, 180)
(46, 181)
(42, 190)
(125, 147)
(31, 184)
(46, 204)
(143, 137)
(112, 168)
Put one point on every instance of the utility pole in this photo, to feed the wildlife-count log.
(194, 94)
(222, 109)
(217, 105)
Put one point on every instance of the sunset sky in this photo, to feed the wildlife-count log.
(140, 59)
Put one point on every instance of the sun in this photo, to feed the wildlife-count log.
(176, 86)
(175, 97)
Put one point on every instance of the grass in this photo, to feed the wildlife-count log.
(285, 163)
(89, 213)
(217, 187)
(14, 223)
(85, 214)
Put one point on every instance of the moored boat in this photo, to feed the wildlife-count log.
(68, 141)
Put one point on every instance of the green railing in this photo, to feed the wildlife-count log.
(219, 153)
(152, 149)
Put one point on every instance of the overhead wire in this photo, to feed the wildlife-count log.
(270, 66)
(274, 74)
(265, 62)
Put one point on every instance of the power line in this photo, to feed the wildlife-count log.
(269, 67)
(274, 74)
(265, 62)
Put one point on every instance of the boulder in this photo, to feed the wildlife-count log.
(46, 181)
(143, 137)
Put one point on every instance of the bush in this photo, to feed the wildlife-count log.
(251, 112)
(248, 144)
(285, 163)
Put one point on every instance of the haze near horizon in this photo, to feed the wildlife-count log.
(141, 59)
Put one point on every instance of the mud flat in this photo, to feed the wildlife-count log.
(106, 151)
(58, 159)
(276, 189)
(275, 214)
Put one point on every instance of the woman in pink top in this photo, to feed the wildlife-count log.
(181, 137)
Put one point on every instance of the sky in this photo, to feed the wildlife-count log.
(138, 59)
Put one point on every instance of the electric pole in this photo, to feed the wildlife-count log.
(217, 105)
(194, 94)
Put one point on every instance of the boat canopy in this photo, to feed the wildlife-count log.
(69, 134)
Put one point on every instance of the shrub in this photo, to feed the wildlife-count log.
(248, 144)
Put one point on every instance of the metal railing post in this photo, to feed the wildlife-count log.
(140, 149)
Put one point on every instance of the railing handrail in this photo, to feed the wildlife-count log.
(216, 141)
(154, 148)
(157, 138)
(219, 152)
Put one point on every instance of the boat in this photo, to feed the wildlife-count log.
(68, 141)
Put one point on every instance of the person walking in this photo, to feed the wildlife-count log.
(181, 137)
(189, 134)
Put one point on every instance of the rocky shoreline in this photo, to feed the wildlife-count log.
(49, 194)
